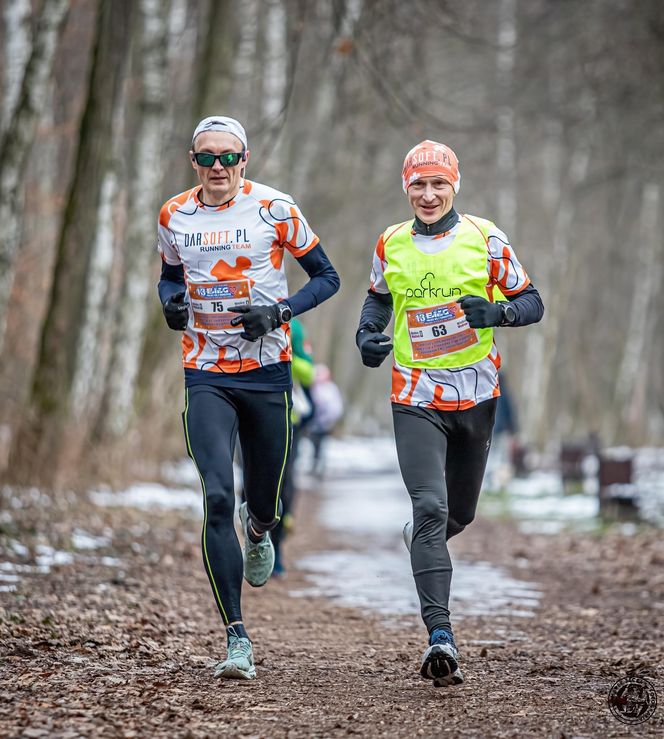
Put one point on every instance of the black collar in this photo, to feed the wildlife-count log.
(212, 207)
(446, 223)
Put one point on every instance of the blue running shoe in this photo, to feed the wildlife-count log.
(440, 662)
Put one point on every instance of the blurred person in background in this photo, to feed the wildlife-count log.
(437, 274)
(223, 284)
(328, 410)
(301, 414)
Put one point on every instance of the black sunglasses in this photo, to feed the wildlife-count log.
(228, 159)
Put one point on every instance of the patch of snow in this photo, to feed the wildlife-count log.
(82, 540)
(18, 548)
(148, 496)
(48, 557)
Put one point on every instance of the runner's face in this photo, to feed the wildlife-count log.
(431, 198)
(220, 184)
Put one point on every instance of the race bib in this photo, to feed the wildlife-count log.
(438, 330)
(211, 303)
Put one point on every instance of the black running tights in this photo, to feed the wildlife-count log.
(442, 456)
(213, 418)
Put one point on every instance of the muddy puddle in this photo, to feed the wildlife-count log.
(365, 504)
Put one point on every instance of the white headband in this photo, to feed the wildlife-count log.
(221, 123)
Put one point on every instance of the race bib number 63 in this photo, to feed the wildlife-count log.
(438, 330)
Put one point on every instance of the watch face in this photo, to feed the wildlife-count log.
(510, 314)
(285, 313)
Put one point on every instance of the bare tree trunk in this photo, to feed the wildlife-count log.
(61, 358)
(629, 400)
(324, 97)
(16, 53)
(559, 291)
(218, 54)
(244, 66)
(87, 390)
(275, 86)
(506, 144)
(18, 137)
(132, 310)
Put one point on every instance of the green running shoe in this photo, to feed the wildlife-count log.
(258, 556)
(239, 663)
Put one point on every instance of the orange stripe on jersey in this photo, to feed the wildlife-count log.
(246, 188)
(398, 383)
(276, 254)
(282, 232)
(232, 365)
(414, 379)
(170, 206)
(505, 291)
(449, 405)
(286, 355)
(187, 346)
(380, 248)
(201, 346)
(297, 253)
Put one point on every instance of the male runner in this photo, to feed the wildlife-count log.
(438, 273)
(222, 245)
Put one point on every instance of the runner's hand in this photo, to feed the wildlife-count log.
(176, 311)
(257, 320)
(373, 347)
(480, 312)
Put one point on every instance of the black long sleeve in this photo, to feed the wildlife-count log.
(376, 312)
(527, 305)
(323, 281)
(171, 281)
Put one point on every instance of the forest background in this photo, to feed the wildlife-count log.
(555, 108)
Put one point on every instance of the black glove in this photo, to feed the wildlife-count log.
(480, 312)
(257, 320)
(373, 347)
(176, 311)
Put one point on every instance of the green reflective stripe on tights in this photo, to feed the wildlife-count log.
(283, 466)
(205, 507)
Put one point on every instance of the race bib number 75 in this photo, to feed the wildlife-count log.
(211, 303)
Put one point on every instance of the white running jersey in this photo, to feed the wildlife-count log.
(464, 387)
(232, 255)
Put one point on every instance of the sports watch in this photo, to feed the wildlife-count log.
(509, 314)
(284, 312)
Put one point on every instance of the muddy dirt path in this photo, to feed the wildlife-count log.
(122, 643)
